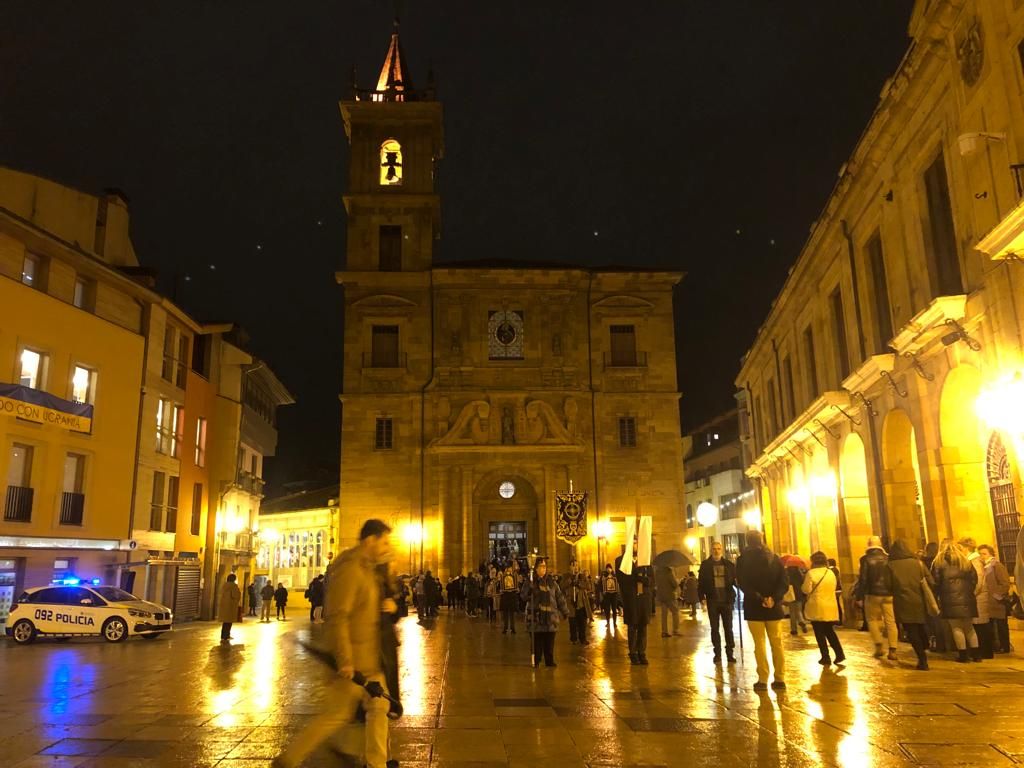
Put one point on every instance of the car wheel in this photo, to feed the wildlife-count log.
(23, 632)
(151, 635)
(114, 630)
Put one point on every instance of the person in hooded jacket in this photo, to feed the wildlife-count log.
(907, 571)
(874, 591)
(956, 582)
(821, 609)
(546, 607)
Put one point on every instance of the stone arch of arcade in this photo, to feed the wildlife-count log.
(855, 496)
(901, 480)
(960, 463)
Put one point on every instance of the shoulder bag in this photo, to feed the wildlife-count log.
(931, 605)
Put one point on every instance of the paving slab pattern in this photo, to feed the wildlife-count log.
(473, 699)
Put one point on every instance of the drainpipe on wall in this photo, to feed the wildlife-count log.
(423, 421)
(593, 405)
(876, 458)
(138, 428)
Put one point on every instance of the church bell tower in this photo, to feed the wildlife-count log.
(395, 136)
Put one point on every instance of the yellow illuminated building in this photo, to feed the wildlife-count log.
(883, 391)
(71, 335)
(132, 438)
(475, 390)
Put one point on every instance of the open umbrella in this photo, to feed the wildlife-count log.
(673, 558)
(788, 560)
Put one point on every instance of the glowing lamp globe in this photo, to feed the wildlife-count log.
(707, 514)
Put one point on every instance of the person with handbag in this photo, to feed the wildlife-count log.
(912, 596)
(821, 608)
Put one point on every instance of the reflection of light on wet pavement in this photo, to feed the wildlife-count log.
(855, 750)
(261, 670)
(413, 675)
(66, 677)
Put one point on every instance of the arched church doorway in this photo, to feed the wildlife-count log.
(901, 480)
(506, 508)
(1004, 499)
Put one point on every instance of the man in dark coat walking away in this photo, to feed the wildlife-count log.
(250, 593)
(637, 593)
(716, 587)
(761, 576)
(315, 594)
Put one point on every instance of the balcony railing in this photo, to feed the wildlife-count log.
(393, 94)
(18, 505)
(1017, 169)
(636, 360)
(250, 483)
(72, 506)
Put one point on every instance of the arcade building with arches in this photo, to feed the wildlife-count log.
(474, 390)
(883, 393)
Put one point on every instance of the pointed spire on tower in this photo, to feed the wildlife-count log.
(393, 76)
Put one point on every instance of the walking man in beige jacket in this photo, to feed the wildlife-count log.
(352, 608)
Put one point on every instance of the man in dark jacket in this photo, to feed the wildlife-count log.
(874, 591)
(637, 590)
(761, 576)
(315, 593)
(716, 587)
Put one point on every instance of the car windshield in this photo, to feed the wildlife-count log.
(114, 595)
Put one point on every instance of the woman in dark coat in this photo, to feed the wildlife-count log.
(546, 607)
(637, 591)
(281, 600)
(908, 598)
(957, 581)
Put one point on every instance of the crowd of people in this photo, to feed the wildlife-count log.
(951, 596)
(954, 595)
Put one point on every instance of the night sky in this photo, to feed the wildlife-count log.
(702, 137)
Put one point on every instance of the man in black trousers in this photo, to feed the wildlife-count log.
(716, 588)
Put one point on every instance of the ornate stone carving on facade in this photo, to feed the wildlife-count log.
(508, 427)
(571, 410)
(471, 427)
(533, 423)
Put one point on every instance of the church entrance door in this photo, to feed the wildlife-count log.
(507, 540)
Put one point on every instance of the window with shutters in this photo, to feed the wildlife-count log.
(623, 345)
(156, 503)
(197, 508)
(879, 294)
(943, 258)
(811, 363)
(390, 248)
(384, 434)
(787, 383)
(384, 346)
(172, 504)
(839, 333)
(627, 431)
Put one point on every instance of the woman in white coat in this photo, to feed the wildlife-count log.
(821, 608)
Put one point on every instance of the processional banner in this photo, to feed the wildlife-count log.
(570, 515)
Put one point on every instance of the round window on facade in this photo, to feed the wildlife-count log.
(506, 490)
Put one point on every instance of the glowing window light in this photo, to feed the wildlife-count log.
(1001, 405)
(752, 517)
(390, 163)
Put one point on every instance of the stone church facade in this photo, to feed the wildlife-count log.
(473, 391)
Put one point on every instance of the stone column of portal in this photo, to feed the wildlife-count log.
(468, 523)
(443, 531)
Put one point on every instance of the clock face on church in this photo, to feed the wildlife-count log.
(505, 335)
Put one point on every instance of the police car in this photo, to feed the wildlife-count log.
(70, 609)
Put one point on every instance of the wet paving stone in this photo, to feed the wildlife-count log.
(472, 699)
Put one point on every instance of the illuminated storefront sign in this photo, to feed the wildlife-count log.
(44, 408)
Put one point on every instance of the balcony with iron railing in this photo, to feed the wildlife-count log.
(250, 483)
(1017, 169)
(72, 508)
(625, 362)
(393, 94)
(18, 504)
